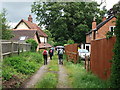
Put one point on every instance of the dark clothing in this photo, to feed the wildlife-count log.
(60, 57)
(45, 59)
(51, 53)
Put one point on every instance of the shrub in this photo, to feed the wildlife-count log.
(26, 63)
(115, 71)
(33, 44)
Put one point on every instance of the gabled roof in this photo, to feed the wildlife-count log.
(29, 34)
(101, 24)
(34, 26)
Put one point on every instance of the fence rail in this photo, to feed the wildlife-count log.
(101, 54)
(72, 52)
(10, 47)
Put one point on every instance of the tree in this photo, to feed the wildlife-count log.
(67, 20)
(5, 28)
(33, 44)
(114, 10)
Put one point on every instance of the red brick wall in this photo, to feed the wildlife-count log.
(88, 38)
(105, 28)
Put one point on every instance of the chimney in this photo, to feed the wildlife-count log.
(104, 18)
(93, 28)
(94, 24)
(30, 18)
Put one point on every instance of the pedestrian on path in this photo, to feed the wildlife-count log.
(50, 53)
(60, 56)
(45, 54)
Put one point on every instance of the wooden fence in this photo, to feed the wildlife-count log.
(101, 54)
(10, 47)
(71, 52)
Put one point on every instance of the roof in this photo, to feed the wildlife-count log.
(33, 26)
(44, 45)
(29, 34)
(101, 24)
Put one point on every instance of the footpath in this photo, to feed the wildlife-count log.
(62, 77)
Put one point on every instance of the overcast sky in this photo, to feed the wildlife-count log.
(20, 9)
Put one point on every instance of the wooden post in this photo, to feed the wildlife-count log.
(1, 57)
(18, 49)
(12, 47)
(85, 61)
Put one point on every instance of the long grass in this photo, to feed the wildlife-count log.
(79, 78)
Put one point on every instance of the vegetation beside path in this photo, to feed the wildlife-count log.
(79, 78)
(16, 69)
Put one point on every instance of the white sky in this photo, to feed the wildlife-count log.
(20, 9)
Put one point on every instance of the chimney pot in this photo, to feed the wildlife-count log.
(104, 18)
(30, 18)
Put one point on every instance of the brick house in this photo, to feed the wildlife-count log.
(24, 27)
(99, 31)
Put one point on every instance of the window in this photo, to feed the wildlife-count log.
(112, 29)
(22, 37)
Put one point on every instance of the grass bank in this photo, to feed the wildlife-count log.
(79, 78)
(50, 79)
(16, 69)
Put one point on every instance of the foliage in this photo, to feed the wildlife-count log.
(70, 41)
(79, 78)
(26, 64)
(6, 32)
(67, 20)
(50, 38)
(115, 71)
(109, 34)
(33, 44)
(115, 10)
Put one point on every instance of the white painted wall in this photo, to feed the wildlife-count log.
(22, 25)
(42, 39)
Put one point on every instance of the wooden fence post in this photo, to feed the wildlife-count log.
(1, 57)
(12, 47)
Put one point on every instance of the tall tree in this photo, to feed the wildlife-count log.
(4, 27)
(67, 20)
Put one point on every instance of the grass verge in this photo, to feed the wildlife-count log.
(79, 78)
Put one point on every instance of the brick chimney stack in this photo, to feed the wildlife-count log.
(104, 18)
(30, 18)
(94, 24)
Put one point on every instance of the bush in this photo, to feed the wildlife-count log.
(33, 44)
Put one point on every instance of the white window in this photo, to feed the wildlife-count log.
(111, 28)
(22, 37)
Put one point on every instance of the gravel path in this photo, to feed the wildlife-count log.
(36, 77)
(62, 78)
